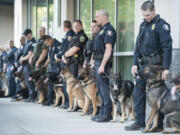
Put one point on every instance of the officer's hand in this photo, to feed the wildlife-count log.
(101, 69)
(164, 74)
(64, 59)
(12, 68)
(37, 64)
(134, 70)
(21, 60)
(30, 61)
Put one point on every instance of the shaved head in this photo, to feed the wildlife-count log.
(102, 17)
(42, 31)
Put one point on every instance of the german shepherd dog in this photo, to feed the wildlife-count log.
(57, 89)
(74, 89)
(121, 92)
(90, 89)
(23, 93)
(38, 77)
(159, 98)
(4, 91)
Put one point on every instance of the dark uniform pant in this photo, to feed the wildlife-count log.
(103, 89)
(73, 68)
(50, 91)
(11, 81)
(140, 102)
(30, 84)
(65, 94)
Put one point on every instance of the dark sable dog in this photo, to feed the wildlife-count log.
(23, 93)
(90, 89)
(159, 98)
(121, 91)
(38, 76)
(4, 91)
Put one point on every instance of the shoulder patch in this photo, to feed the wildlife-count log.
(82, 39)
(69, 38)
(166, 27)
(109, 33)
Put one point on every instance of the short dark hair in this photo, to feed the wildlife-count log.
(47, 37)
(148, 5)
(78, 21)
(67, 24)
(27, 31)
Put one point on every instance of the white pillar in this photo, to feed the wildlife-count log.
(20, 19)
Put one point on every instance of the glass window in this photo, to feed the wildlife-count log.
(41, 15)
(108, 5)
(125, 26)
(125, 64)
(85, 15)
(50, 17)
(125, 34)
(33, 17)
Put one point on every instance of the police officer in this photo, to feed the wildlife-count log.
(39, 57)
(103, 50)
(17, 64)
(74, 53)
(24, 60)
(67, 38)
(10, 60)
(88, 49)
(153, 47)
(52, 66)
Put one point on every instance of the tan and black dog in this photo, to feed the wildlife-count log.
(38, 78)
(74, 89)
(121, 92)
(5, 91)
(90, 89)
(160, 100)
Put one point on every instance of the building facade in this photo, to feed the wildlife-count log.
(125, 16)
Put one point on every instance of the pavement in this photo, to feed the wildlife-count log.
(19, 118)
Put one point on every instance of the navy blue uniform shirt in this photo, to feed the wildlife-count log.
(154, 36)
(106, 35)
(68, 37)
(11, 55)
(29, 47)
(79, 40)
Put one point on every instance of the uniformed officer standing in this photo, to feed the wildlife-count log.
(103, 51)
(74, 53)
(39, 56)
(153, 47)
(27, 54)
(17, 64)
(88, 49)
(67, 38)
(53, 69)
(10, 63)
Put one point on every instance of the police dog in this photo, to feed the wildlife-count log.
(160, 100)
(57, 88)
(23, 93)
(121, 92)
(38, 76)
(90, 89)
(74, 89)
(4, 91)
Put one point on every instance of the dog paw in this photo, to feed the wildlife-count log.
(83, 114)
(122, 121)
(113, 120)
(145, 131)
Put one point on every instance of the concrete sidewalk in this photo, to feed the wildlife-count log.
(19, 118)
